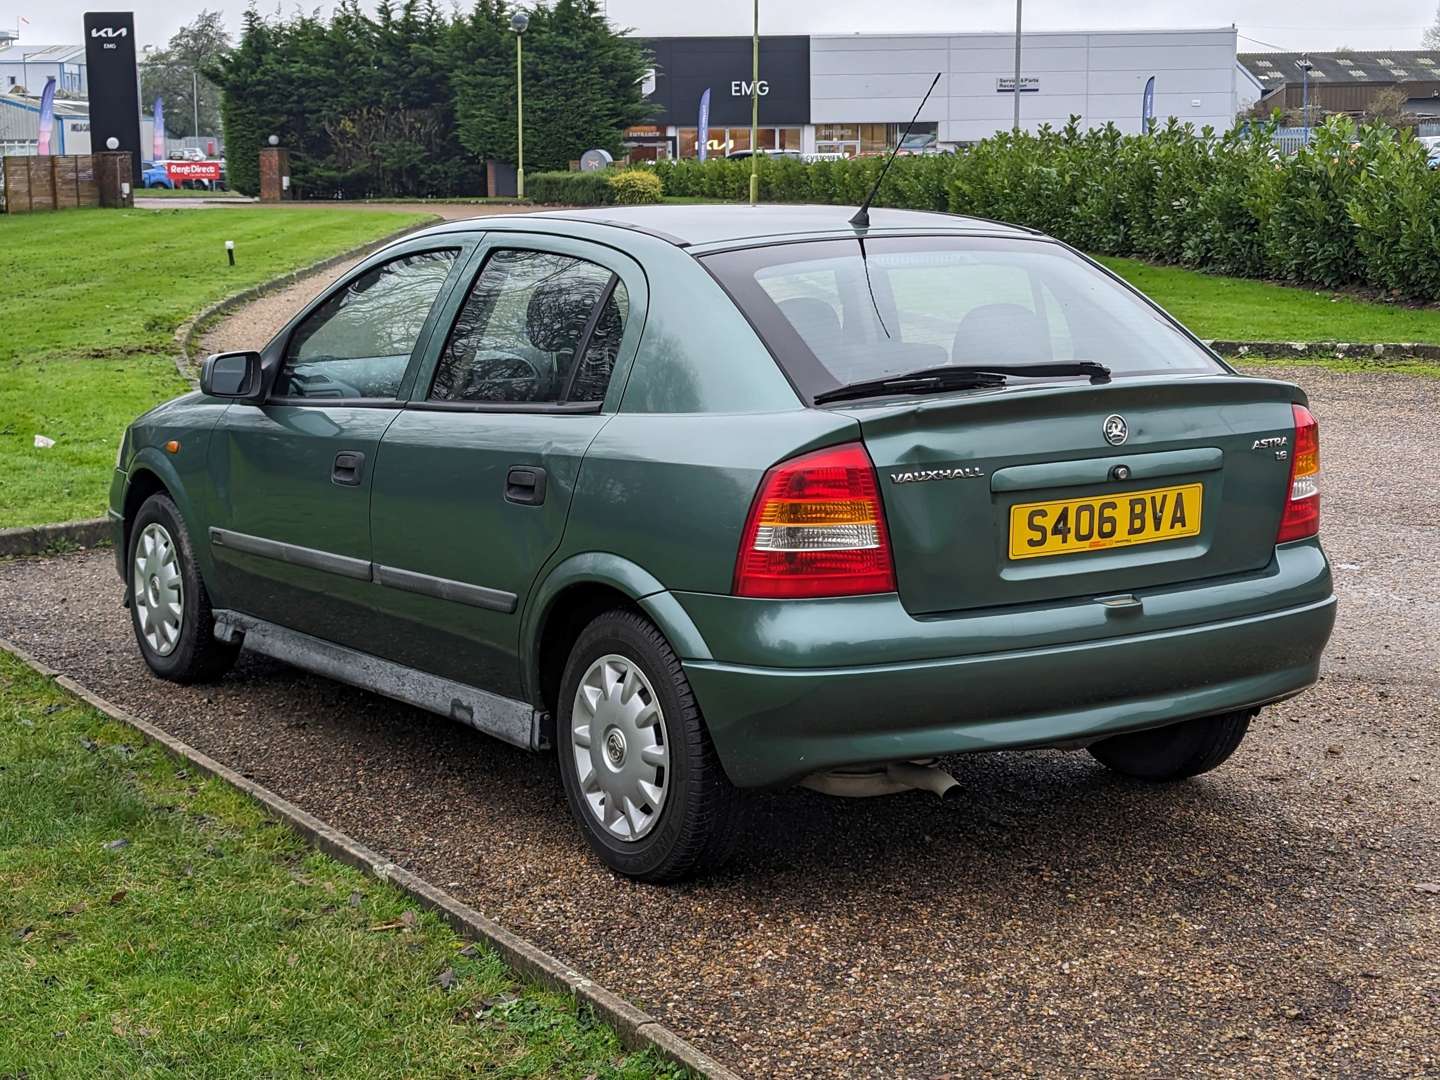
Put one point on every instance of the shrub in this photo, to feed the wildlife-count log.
(570, 188)
(1357, 206)
(634, 187)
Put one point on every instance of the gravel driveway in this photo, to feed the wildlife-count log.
(1261, 920)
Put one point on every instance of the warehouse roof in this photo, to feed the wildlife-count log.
(1275, 69)
(42, 54)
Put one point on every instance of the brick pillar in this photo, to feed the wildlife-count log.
(113, 172)
(275, 174)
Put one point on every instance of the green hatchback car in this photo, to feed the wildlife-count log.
(717, 497)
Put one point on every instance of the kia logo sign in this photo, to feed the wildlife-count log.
(742, 87)
(110, 32)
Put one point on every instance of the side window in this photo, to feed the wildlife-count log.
(357, 343)
(536, 328)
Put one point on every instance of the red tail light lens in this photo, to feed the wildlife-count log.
(1302, 502)
(816, 528)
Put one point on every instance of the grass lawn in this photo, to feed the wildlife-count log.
(213, 942)
(89, 304)
(1238, 309)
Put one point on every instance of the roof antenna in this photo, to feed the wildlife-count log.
(861, 220)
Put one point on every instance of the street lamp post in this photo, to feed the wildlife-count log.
(518, 22)
(755, 109)
(1017, 67)
(1305, 65)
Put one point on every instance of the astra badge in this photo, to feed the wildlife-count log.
(918, 476)
(1115, 429)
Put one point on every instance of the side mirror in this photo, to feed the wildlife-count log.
(231, 375)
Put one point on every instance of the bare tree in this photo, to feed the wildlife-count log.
(1431, 39)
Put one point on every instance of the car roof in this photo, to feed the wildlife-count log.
(717, 225)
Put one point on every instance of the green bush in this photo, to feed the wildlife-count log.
(634, 187)
(569, 188)
(1358, 206)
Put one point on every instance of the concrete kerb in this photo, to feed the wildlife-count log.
(637, 1029)
(38, 539)
(188, 331)
(1378, 354)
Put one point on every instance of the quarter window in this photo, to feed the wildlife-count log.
(537, 328)
(357, 344)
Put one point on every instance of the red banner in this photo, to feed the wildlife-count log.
(182, 171)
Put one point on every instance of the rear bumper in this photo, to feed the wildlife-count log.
(774, 725)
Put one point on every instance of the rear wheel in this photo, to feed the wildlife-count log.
(1176, 751)
(169, 606)
(640, 773)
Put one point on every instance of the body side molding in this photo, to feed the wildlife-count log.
(311, 558)
(511, 721)
(363, 570)
(446, 589)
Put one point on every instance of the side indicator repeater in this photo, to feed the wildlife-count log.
(173, 446)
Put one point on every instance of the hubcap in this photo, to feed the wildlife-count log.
(622, 757)
(159, 592)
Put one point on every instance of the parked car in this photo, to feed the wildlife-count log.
(154, 175)
(743, 154)
(706, 498)
(1431, 143)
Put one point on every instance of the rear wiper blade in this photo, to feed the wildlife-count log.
(960, 377)
(1097, 373)
(935, 380)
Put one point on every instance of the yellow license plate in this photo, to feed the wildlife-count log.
(1104, 521)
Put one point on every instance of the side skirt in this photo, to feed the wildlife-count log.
(511, 721)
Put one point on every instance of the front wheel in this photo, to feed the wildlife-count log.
(640, 773)
(1174, 752)
(169, 606)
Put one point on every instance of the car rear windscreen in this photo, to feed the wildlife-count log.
(836, 312)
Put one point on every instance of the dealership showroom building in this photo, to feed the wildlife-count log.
(853, 94)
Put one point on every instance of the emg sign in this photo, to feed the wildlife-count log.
(686, 67)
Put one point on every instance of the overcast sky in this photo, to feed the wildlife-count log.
(1289, 24)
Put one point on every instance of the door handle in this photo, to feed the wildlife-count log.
(525, 484)
(349, 467)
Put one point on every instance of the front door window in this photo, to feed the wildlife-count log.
(357, 344)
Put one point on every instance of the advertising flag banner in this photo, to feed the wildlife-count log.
(47, 116)
(1147, 108)
(157, 150)
(703, 135)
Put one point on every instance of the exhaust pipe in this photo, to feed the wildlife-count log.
(925, 778)
(884, 780)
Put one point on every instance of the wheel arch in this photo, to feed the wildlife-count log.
(577, 590)
(152, 473)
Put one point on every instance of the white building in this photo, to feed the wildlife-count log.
(853, 93)
(28, 66)
(20, 125)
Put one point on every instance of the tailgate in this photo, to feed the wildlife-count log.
(1019, 495)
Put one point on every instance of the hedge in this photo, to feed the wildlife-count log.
(1359, 206)
(604, 187)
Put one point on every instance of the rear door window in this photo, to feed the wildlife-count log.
(537, 328)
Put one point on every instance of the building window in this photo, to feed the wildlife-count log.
(722, 141)
(854, 140)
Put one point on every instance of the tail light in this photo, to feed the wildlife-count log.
(1302, 502)
(816, 528)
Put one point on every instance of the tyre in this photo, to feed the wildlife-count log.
(169, 607)
(1176, 751)
(640, 773)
